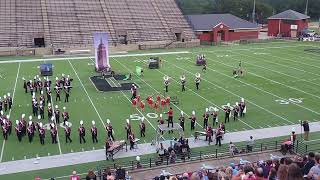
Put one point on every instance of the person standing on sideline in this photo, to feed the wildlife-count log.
(306, 130)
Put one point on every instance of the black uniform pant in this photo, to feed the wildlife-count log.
(68, 139)
(133, 96)
(57, 119)
(58, 97)
(128, 133)
(54, 139)
(166, 88)
(235, 116)
(142, 132)
(94, 138)
(19, 135)
(197, 86)
(227, 117)
(241, 113)
(5, 107)
(82, 139)
(5, 135)
(67, 98)
(214, 121)
(205, 123)
(9, 130)
(209, 137)
(10, 105)
(192, 125)
(183, 88)
(218, 141)
(131, 145)
(42, 140)
(182, 125)
(30, 137)
(42, 115)
(170, 121)
(35, 112)
(26, 90)
(110, 135)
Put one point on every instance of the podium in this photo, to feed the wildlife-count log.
(154, 63)
(46, 69)
(164, 128)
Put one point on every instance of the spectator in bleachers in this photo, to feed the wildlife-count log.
(259, 173)
(272, 174)
(229, 172)
(91, 176)
(309, 164)
(294, 172)
(314, 172)
(282, 173)
(173, 157)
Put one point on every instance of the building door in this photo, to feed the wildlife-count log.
(221, 36)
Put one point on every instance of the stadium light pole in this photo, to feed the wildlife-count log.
(306, 10)
(254, 11)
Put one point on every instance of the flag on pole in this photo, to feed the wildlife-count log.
(138, 70)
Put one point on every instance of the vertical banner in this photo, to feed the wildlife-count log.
(101, 51)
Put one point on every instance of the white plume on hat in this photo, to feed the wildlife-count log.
(52, 125)
(81, 122)
(56, 107)
(215, 109)
(237, 103)
(142, 118)
(39, 117)
(52, 118)
(23, 78)
(67, 123)
(23, 115)
(49, 104)
(3, 121)
(242, 99)
(40, 124)
(193, 113)
(1, 112)
(228, 104)
(161, 115)
(108, 121)
(30, 122)
(17, 122)
(30, 117)
(93, 123)
(62, 75)
(64, 108)
(181, 112)
(128, 121)
(41, 92)
(68, 76)
(57, 78)
(5, 96)
(207, 109)
(8, 116)
(8, 94)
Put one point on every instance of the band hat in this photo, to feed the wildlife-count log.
(3, 121)
(40, 124)
(52, 118)
(57, 78)
(17, 122)
(67, 123)
(142, 118)
(5, 96)
(56, 107)
(228, 104)
(81, 122)
(30, 117)
(181, 112)
(49, 104)
(8, 94)
(160, 115)
(207, 109)
(237, 103)
(193, 113)
(52, 125)
(64, 108)
(108, 121)
(30, 122)
(242, 99)
(8, 116)
(93, 123)
(138, 158)
(128, 121)
(23, 115)
(41, 92)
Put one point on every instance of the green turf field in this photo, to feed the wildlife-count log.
(281, 87)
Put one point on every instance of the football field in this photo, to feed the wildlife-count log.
(280, 86)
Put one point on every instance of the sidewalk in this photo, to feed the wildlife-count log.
(99, 155)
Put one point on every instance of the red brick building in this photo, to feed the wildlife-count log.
(222, 27)
(287, 24)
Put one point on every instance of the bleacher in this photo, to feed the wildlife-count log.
(66, 23)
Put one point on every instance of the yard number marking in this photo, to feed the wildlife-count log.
(288, 101)
(137, 117)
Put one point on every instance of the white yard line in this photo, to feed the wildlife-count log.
(86, 57)
(254, 48)
(246, 62)
(13, 94)
(85, 90)
(260, 88)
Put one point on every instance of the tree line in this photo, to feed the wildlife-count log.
(243, 8)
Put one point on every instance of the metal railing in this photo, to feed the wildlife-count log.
(191, 156)
(304, 147)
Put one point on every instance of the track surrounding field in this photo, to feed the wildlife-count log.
(281, 87)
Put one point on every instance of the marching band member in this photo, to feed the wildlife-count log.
(18, 130)
(181, 119)
(168, 100)
(134, 102)
(67, 131)
(227, 110)
(149, 101)
(142, 127)
(109, 130)
(156, 106)
(65, 115)
(214, 114)
(206, 118)
(183, 82)
(218, 136)
(128, 128)
(197, 80)
(35, 107)
(67, 94)
(158, 98)
(209, 132)
(58, 89)
(5, 103)
(30, 131)
(41, 133)
(31, 88)
(49, 94)
(53, 133)
(236, 110)
(94, 132)
(82, 132)
(39, 84)
(193, 120)
(243, 108)
(166, 82)
(133, 91)
(163, 104)
(9, 126)
(25, 86)
(41, 110)
(57, 114)
(1, 104)
(23, 124)
(170, 119)
(132, 140)
(35, 84)
(5, 129)
(42, 98)
(50, 111)
(9, 98)
(142, 105)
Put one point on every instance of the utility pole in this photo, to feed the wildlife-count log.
(254, 11)
(306, 10)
